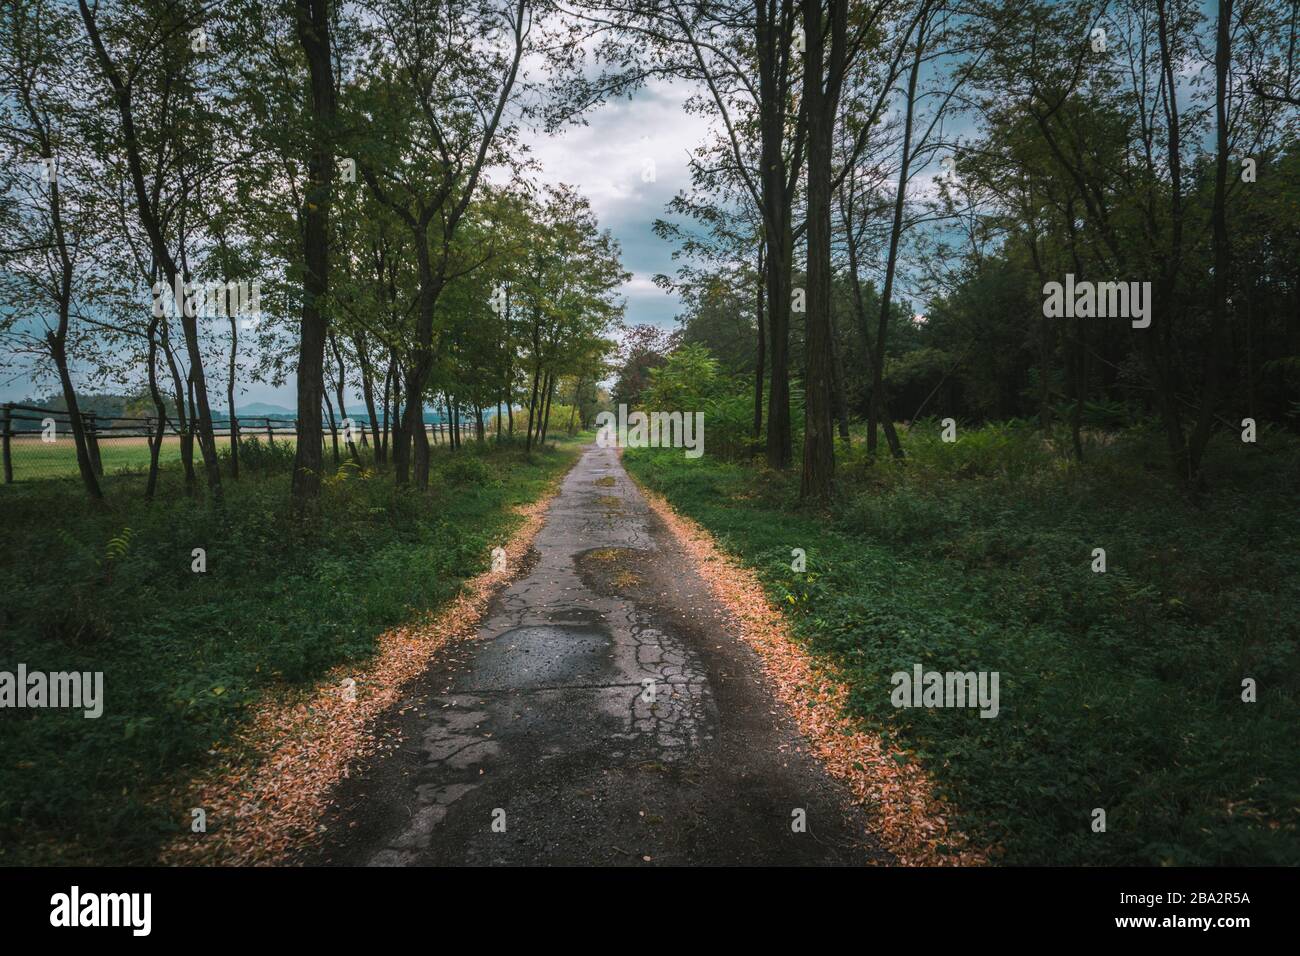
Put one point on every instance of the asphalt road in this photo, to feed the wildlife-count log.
(605, 713)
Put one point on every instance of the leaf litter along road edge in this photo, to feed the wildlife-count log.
(264, 800)
(905, 815)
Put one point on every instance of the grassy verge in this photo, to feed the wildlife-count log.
(284, 598)
(1120, 690)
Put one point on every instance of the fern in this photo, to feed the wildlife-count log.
(118, 546)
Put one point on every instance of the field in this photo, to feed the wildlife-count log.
(34, 459)
(1120, 690)
(282, 600)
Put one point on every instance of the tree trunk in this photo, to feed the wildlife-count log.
(837, 380)
(312, 23)
(532, 402)
(1044, 346)
(820, 101)
(184, 438)
(420, 438)
(160, 409)
(193, 416)
(334, 434)
(1157, 339)
(345, 421)
(399, 439)
(57, 342)
(759, 355)
(411, 420)
(1222, 252)
(546, 415)
(381, 442)
(230, 398)
(860, 308)
(423, 357)
(772, 51)
(1077, 362)
(367, 389)
(900, 198)
(85, 462)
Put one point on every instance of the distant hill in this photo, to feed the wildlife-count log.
(258, 408)
(110, 407)
(106, 405)
(267, 410)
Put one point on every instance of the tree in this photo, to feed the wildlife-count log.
(166, 48)
(312, 25)
(426, 122)
(49, 224)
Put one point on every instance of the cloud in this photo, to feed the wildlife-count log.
(629, 160)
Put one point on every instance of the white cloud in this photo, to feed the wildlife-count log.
(606, 160)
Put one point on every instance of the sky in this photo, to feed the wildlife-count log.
(606, 160)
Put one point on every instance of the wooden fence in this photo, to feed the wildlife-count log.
(38, 443)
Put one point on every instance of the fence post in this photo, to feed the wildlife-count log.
(8, 430)
(269, 436)
(92, 443)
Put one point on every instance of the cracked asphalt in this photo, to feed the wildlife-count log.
(606, 712)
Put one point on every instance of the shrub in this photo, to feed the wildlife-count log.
(466, 468)
(896, 515)
(269, 457)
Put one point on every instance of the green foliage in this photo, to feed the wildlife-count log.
(687, 379)
(895, 515)
(1118, 690)
(267, 457)
(1010, 450)
(729, 425)
(285, 598)
(466, 468)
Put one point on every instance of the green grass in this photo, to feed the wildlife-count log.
(284, 599)
(35, 460)
(1119, 690)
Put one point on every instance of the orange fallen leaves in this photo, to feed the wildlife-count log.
(904, 813)
(265, 801)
